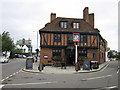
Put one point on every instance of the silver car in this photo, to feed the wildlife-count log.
(3, 59)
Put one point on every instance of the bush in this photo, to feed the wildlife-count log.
(57, 58)
(82, 58)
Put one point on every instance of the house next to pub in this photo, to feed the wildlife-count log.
(57, 39)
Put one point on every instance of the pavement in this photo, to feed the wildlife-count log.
(58, 70)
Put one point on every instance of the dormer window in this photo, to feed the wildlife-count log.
(63, 24)
(76, 25)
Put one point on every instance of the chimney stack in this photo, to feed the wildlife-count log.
(53, 16)
(86, 15)
(91, 19)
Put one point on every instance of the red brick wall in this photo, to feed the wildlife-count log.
(90, 54)
(46, 52)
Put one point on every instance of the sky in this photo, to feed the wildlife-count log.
(21, 17)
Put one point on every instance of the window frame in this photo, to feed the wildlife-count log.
(63, 24)
(56, 52)
(57, 37)
(83, 38)
(76, 25)
(82, 52)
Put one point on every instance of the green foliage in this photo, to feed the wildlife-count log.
(17, 51)
(111, 55)
(118, 56)
(57, 58)
(7, 42)
(82, 58)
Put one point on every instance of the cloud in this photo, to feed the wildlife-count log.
(22, 17)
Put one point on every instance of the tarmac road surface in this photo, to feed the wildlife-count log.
(104, 79)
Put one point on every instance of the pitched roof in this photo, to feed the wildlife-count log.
(55, 25)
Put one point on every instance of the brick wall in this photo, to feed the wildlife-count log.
(46, 52)
(90, 54)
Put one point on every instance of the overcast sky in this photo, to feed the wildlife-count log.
(22, 17)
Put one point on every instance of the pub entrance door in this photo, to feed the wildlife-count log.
(70, 56)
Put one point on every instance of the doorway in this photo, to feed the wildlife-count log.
(70, 56)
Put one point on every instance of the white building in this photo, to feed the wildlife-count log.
(25, 45)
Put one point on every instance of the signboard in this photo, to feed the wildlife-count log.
(45, 57)
(29, 63)
(76, 37)
(86, 65)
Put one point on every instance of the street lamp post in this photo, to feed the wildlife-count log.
(37, 50)
(37, 38)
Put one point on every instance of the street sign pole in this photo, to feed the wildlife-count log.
(76, 38)
(76, 54)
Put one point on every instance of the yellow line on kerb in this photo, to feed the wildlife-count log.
(95, 71)
(100, 70)
(75, 73)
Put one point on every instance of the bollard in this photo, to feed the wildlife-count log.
(40, 67)
(77, 68)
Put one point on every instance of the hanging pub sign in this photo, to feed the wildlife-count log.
(76, 37)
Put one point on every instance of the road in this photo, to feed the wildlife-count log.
(13, 67)
(105, 79)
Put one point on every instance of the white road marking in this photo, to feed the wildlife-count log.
(29, 83)
(6, 77)
(118, 71)
(10, 76)
(2, 86)
(14, 73)
(110, 87)
(106, 88)
(2, 80)
(97, 77)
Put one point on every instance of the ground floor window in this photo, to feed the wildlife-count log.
(83, 52)
(56, 52)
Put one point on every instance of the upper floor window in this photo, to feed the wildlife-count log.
(63, 24)
(83, 38)
(57, 37)
(76, 25)
(70, 39)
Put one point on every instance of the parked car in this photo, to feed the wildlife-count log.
(24, 56)
(4, 59)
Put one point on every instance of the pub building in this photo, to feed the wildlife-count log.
(56, 40)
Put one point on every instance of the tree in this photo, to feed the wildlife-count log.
(118, 56)
(7, 42)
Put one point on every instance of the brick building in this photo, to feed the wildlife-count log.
(57, 39)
